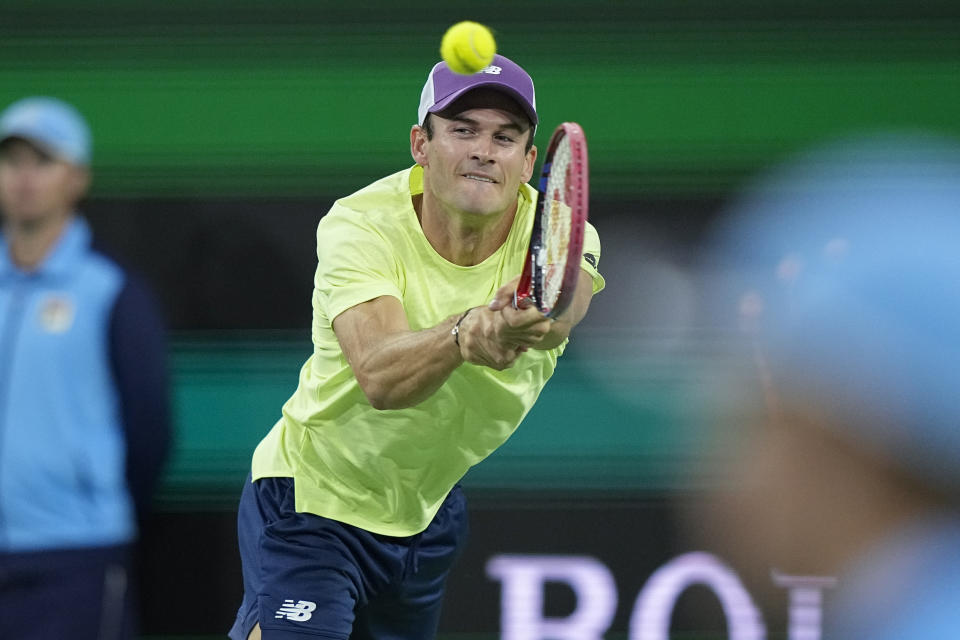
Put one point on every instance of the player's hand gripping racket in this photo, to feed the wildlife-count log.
(552, 267)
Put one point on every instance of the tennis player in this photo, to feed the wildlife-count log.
(421, 368)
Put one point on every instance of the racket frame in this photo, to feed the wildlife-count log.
(576, 196)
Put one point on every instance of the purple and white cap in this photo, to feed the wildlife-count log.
(444, 86)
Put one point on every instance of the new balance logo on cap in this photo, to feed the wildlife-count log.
(492, 70)
(299, 612)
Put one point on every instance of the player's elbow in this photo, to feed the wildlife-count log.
(390, 402)
(382, 401)
(375, 391)
(383, 396)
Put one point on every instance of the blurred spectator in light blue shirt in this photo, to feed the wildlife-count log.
(84, 425)
(841, 270)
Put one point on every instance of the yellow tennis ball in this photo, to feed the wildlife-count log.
(468, 47)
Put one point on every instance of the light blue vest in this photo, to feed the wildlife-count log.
(62, 475)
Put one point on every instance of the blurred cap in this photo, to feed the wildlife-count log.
(845, 265)
(53, 125)
(443, 86)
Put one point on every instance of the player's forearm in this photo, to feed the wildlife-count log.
(407, 368)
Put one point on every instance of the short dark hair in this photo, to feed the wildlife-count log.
(427, 126)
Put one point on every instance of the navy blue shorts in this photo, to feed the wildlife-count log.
(305, 576)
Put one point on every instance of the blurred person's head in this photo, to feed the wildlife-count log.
(842, 273)
(44, 161)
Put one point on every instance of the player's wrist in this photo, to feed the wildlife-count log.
(457, 328)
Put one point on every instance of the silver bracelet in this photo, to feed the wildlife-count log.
(455, 331)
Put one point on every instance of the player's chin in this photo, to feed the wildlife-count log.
(484, 206)
(487, 212)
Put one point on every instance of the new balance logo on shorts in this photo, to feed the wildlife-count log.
(300, 612)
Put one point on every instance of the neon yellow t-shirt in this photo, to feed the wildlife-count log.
(389, 471)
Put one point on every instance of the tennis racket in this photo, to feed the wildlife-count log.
(552, 267)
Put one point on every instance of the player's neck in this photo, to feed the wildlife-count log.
(30, 242)
(462, 238)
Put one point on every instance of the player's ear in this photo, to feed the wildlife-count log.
(528, 162)
(418, 142)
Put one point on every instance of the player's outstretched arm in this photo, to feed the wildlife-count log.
(398, 368)
(395, 366)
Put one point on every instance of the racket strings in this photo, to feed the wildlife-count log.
(555, 224)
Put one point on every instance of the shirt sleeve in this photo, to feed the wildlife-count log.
(139, 363)
(354, 263)
(591, 257)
